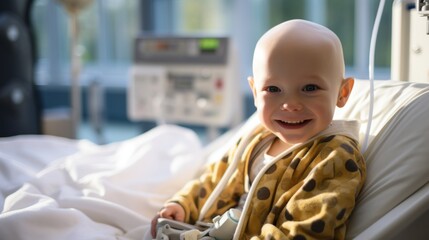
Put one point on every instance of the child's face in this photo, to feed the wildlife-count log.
(296, 89)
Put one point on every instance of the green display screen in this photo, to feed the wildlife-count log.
(209, 44)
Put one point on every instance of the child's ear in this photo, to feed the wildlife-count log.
(252, 87)
(345, 90)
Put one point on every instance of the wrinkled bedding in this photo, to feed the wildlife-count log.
(56, 188)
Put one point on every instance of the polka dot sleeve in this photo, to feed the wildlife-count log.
(195, 193)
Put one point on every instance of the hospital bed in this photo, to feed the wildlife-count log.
(57, 188)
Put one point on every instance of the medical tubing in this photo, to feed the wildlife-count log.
(245, 131)
(371, 72)
(256, 180)
(225, 178)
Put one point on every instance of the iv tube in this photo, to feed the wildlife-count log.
(371, 72)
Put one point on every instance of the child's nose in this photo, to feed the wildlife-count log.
(291, 106)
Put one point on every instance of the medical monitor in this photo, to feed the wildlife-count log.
(189, 80)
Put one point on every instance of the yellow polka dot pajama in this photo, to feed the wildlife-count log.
(307, 193)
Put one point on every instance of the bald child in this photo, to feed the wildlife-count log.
(297, 174)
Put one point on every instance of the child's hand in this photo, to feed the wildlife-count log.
(172, 211)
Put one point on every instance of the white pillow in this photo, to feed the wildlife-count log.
(398, 154)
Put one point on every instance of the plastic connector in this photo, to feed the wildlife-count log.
(224, 226)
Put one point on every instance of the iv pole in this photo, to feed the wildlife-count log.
(73, 7)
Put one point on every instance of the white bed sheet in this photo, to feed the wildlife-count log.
(56, 188)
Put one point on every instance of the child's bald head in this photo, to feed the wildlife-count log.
(303, 45)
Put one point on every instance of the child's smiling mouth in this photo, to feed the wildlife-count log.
(293, 124)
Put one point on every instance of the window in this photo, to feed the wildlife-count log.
(106, 32)
(247, 20)
(108, 28)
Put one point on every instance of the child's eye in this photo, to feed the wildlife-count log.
(310, 88)
(272, 89)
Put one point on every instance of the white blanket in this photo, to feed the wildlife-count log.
(54, 188)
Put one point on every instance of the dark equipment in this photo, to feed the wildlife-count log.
(20, 111)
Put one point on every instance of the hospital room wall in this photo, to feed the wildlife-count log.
(107, 47)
